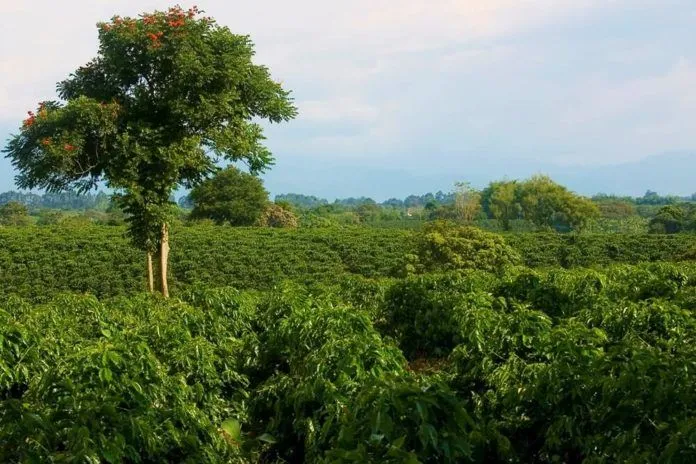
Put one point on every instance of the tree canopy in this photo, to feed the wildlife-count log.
(14, 214)
(539, 200)
(167, 96)
(231, 196)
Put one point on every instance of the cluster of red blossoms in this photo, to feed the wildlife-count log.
(174, 18)
(118, 22)
(69, 147)
(176, 15)
(32, 117)
(155, 36)
(30, 120)
(46, 141)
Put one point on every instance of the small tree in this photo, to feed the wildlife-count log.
(502, 202)
(368, 211)
(231, 196)
(547, 204)
(467, 201)
(671, 219)
(445, 246)
(275, 215)
(168, 94)
(14, 213)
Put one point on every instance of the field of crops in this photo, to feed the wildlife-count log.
(348, 345)
(521, 365)
(517, 323)
(37, 263)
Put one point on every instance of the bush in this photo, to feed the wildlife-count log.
(138, 380)
(406, 419)
(321, 357)
(99, 259)
(444, 246)
(528, 366)
(277, 216)
(229, 197)
(422, 312)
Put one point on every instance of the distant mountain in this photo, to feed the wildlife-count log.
(669, 173)
(332, 177)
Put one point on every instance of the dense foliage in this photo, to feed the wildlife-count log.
(14, 214)
(275, 215)
(99, 259)
(230, 196)
(673, 219)
(169, 95)
(519, 366)
(444, 246)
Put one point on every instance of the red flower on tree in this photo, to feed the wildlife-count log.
(30, 120)
(154, 38)
(69, 147)
(46, 141)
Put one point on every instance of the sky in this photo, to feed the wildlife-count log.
(406, 96)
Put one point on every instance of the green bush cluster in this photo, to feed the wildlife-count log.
(139, 380)
(564, 365)
(219, 376)
(523, 365)
(100, 260)
(446, 246)
(586, 250)
(39, 262)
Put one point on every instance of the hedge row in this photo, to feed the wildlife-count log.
(529, 366)
(36, 263)
(570, 250)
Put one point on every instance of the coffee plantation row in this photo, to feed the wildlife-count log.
(36, 263)
(520, 365)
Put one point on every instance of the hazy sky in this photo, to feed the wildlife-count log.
(420, 86)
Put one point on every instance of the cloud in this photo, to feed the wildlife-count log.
(306, 38)
(344, 109)
(644, 113)
(423, 82)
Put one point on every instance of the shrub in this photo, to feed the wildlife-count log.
(444, 246)
(277, 216)
(134, 380)
(406, 419)
(422, 312)
(322, 356)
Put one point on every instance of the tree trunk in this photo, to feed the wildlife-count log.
(164, 259)
(150, 274)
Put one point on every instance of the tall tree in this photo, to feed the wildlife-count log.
(168, 94)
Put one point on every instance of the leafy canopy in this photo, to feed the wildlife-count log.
(14, 213)
(232, 196)
(168, 95)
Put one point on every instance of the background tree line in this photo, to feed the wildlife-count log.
(238, 198)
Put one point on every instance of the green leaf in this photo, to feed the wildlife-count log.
(105, 375)
(267, 438)
(233, 429)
